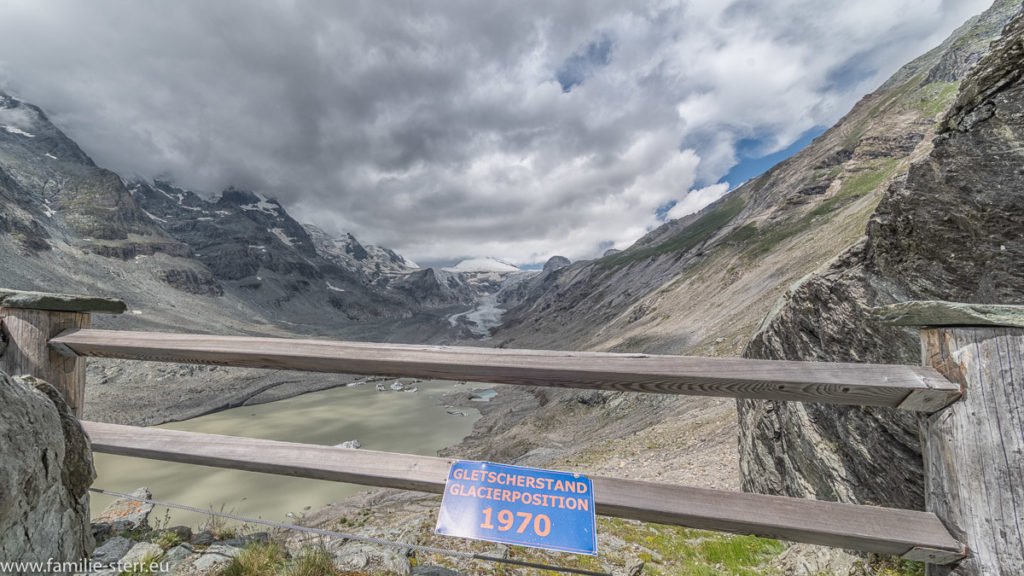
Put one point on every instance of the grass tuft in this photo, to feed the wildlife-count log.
(257, 559)
(144, 566)
(315, 561)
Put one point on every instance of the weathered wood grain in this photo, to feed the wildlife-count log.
(26, 333)
(974, 450)
(858, 384)
(60, 302)
(866, 528)
(938, 313)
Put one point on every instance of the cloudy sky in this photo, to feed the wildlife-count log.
(450, 129)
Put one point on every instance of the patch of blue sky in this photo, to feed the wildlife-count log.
(753, 162)
(580, 65)
(662, 211)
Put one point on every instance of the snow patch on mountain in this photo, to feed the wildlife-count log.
(263, 206)
(286, 239)
(152, 217)
(372, 262)
(482, 265)
(18, 131)
(178, 197)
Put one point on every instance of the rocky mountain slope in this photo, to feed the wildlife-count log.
(237, 262)
(703, 283)
(254, 250)
(373, 263)
(949, 230)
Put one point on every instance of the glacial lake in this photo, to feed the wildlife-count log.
(391, 421)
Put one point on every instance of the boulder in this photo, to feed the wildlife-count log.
(142, 554)
(127, 514)
(112, 550)
(214, 558)
(176, 556)
(45, 477)
(373, 559)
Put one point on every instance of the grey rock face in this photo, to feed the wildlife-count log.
(177, 555)
(808, 560)
(198, 281)
(215, 557)
(89, 202)
(939, 313)
(142, 553)
(949, 231)
(556, 263)
(373, 262)
(968, 49)
(112, 550)
(434, 288)
(45, 476)
(373, 559)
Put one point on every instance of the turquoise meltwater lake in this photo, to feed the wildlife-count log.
(391, 421)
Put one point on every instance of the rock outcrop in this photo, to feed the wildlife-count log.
(45, 476)
(949, 231)
(556, 263)
(435, 288)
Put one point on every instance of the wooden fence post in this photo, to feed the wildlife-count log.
(28, 321)
(974, 449)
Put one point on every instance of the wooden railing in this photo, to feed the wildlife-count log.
(867, 528)
(51, 344)
(908, 387)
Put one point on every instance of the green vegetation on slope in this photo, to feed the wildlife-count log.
(271, 559)
(935, 98)
(677, 551)
(857, 185)
(754, 241)
(699, 231)
(854, 135)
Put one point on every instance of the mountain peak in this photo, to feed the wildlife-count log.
(235, 196)
(556, 263)
(31, 136)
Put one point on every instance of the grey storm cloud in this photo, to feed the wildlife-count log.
(457, 129)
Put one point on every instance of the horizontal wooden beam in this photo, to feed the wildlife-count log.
(864, 528)
(855, 384)
(60, 302)
(939, 313)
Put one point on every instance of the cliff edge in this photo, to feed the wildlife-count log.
(949, 230)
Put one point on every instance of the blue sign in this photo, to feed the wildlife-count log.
(517, 505)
